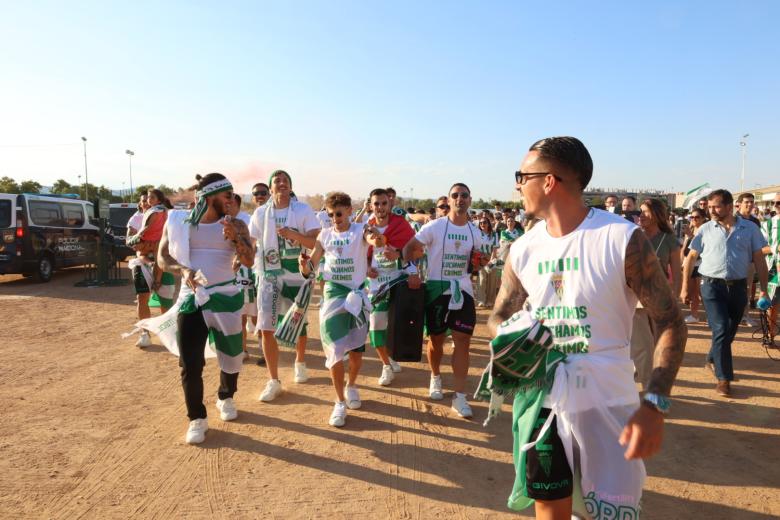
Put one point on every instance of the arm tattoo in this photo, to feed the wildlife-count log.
(244, 249)
(510, 299)
(645, 277)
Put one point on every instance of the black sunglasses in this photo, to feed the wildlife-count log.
(777, 203)
(522, 178)
(461, 194)
(336, 214)
(443, 206)
(261, 193)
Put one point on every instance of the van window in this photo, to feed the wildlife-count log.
(74, 215)
(45, 213)
(5, 213)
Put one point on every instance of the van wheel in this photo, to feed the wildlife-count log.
(45, 269)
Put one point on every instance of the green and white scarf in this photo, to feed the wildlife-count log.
(771, 230)
(522, 364)
(162, 297)
(221, 305)
(521, 359)
(344, 316)
(201, 206)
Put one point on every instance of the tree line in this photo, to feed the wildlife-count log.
(63, 187)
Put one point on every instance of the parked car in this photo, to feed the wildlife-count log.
(42, 233)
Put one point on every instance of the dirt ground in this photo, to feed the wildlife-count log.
(93, 427)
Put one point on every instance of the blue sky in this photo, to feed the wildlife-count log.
(418, 95)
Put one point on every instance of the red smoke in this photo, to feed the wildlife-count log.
(244, 178)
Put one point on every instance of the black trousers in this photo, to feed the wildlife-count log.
(192, 335)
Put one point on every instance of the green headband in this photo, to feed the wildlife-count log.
(201, 206)
(280, 172)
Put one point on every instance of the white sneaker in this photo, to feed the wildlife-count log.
(461, 406)
(353, 398)
(301, 375)
(196, 433)
(387, 375)
(748, 322)
(144, 340)
(435, 389)
(339, 415)
(691, 319)
(395, 365)
(273, 389)
(227, 409)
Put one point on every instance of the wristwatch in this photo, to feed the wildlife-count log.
(657, 401)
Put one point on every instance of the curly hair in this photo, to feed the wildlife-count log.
(338, 198)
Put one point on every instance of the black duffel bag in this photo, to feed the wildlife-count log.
(405, 319)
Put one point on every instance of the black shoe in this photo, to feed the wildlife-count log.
(261, 361)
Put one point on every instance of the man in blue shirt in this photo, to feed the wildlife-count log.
(727, 245)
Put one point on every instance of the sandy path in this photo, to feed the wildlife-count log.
(93, 428)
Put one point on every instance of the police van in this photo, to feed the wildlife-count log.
(41, 233)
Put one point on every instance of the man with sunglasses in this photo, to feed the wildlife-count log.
(442, 206)
(260, 193)
(385, 267)
(771, 231)
(281, 227)
(582, 270)
(449, 296)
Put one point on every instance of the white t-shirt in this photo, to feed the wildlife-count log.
(297, 216)
(346, 253)
(244, 217)
(211, 253)
(136, 221)
(449, 250)
(388, 269)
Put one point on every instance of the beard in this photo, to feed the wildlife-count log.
(219, 207)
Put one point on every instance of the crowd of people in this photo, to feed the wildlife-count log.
(605, 287)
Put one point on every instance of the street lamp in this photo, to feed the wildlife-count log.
(130, 155)
(743, 145)
(86, 178)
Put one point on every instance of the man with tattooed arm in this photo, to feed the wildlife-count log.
(581, 271)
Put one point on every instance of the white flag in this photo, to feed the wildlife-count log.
(693, 196)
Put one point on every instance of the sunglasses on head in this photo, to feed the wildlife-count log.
(336, 214)
(461, 194)
(260, 193)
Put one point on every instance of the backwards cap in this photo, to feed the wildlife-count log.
(280, 172)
